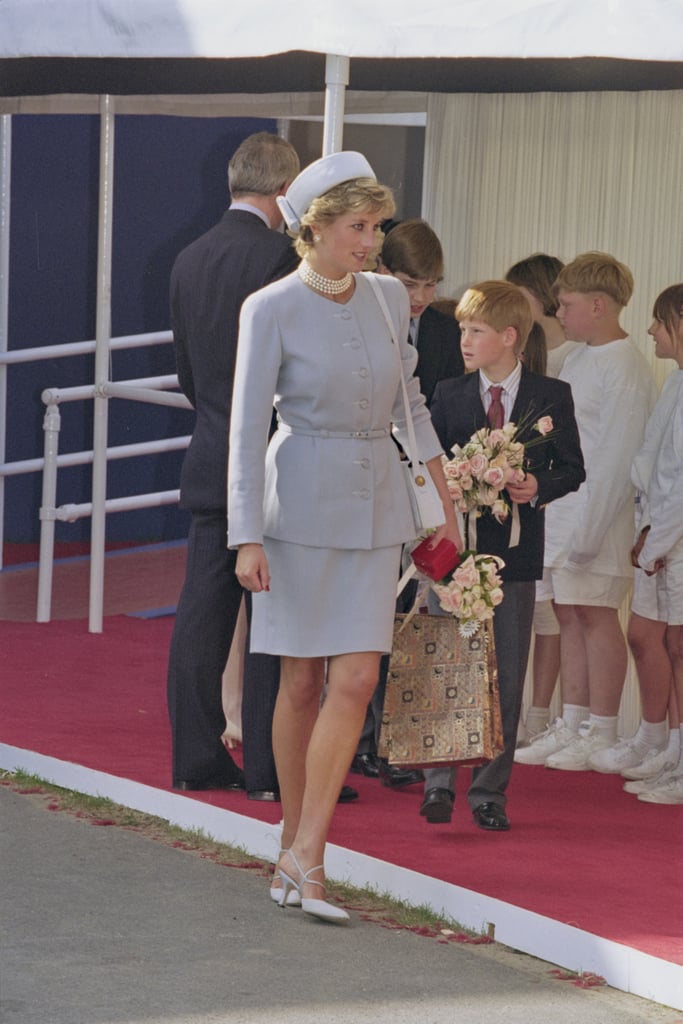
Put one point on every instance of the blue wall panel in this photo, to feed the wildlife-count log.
(170, 185)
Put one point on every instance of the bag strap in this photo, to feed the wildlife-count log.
(412, 442)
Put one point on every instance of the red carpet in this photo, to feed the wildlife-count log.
(134, 580)
(580, 851)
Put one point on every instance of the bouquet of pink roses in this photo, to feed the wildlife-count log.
(480, 471)
(472, 590)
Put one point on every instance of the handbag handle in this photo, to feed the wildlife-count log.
(412, 442)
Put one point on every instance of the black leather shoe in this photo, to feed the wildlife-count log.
(491, 817)
(437, 806)
(347, 795)
(366, 764)
(271, 796)
(233, 781)
(392, 775)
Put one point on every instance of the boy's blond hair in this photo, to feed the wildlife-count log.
(597, 272)
(498, 304)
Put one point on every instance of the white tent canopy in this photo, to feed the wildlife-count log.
(623, 29)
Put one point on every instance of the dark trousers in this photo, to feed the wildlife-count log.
(204, 626)
(512, 631)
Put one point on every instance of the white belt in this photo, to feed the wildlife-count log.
(362, 435)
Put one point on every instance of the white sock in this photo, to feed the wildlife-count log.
(606, 725)
(536, 720)
(651, 735)
(573, 715)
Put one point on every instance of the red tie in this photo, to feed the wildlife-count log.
(496, 413)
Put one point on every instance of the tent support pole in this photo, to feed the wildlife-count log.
(336, 81)
(102, 340)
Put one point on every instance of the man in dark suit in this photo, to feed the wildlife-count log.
(495, 320)
(412, 253)
(210, 280)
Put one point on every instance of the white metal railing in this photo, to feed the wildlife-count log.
(147, 389)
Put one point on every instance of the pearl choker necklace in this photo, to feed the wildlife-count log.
(326, 285)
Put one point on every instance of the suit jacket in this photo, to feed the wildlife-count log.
(331, 476)
(438, 350)
(210, 280)
(556, 462)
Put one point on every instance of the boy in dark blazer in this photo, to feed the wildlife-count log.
(495, 320)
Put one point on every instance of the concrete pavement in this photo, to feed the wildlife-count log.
(106, 926)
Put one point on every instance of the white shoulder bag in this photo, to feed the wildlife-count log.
(425, 500)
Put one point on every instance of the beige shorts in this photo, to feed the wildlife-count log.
(644, 600)
(669, 587)
(590, 588)
(545, 619)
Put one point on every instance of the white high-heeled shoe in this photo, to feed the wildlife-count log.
(293, 896)
(317, 908)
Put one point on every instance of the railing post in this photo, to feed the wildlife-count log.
(102, 338)
(52, 422)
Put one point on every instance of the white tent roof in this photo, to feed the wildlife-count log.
(622, 29)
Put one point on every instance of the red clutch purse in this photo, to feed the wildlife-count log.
(435, 562)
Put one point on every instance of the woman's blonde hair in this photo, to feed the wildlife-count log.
(356, 195)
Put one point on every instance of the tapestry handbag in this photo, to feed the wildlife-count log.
(425, 500)
(441, 705)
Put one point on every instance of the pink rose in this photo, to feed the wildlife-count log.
(450, 598)
(544, 425)
(478, 465)
(497, 438)
(467, 574)
(495, 477)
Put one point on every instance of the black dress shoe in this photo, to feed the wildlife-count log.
(366, 764)
(491, 817)
(392, 775)
(437, 806)
(347, 795)
(271, 796)
(233, 781)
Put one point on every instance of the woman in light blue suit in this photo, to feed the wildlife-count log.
(320, 513)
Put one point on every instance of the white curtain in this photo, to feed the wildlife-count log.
(561, 173)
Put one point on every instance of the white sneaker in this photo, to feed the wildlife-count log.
(652, 764)
(574, 756)
(643, 785)
(552, 739)
(668, 792)
(625, 754)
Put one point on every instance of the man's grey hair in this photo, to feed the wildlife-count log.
(261, 165)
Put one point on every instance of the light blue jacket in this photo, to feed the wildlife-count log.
(329, 369)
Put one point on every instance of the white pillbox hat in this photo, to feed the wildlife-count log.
(318, 178)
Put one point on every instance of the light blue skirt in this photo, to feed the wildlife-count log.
(325, 601)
